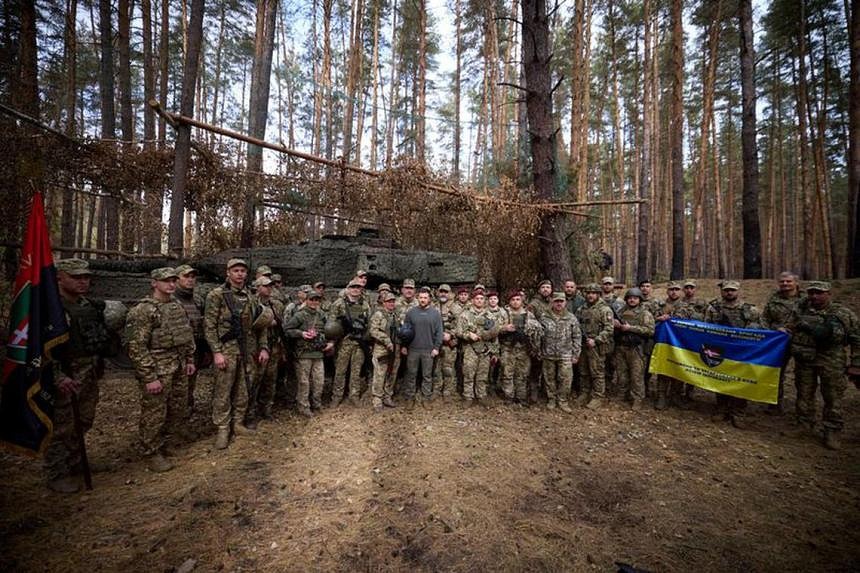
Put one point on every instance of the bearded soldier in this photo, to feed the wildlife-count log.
(161, 346)
(514, 339)
(541, 302)
(595, 320)
(383, 334)
(634, 327)
(444, 380)
(228, 318)
(353, 313)
(192, 303)
(560, 349)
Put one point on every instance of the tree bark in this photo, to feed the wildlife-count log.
(353, 76)
(458, 56)
(67, 234)
(645, 166)
(175, 236)
(554, 254)
(853, 255)
(108, 131)
(751, 225)
(164, 59)
(677, 135)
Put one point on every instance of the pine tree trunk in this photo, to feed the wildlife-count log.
(67, 236)
(853, 243)
(751, 225)
(421, 88)
(458, 55)
(394, 92)
(164, 59)
(106, 91)
(677, 135)
(645, 165)
(353, 76)
(374, 114)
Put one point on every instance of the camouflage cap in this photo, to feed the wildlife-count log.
(822, 286)
(545, 282)
(690, 283)
(236, 262)
(607, 280)
(73, 267)
(183, 270)
(262, 281)
(384, 287)
(163, 274)
(731, 285)
(353, 283)
(319, 284)
(277, 278)
(558, 296)
(444, 288)
(314, 295)
(408, 283)
(479, 287)
(673, 285)
(387, 296)
(361, 273)
(592, 287)
(305, 288)
(264, 270)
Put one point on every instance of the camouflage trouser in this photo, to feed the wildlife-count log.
(310, 373)
(63, 455)
(230, 393)
(161, 412)
(266, 376)
(476, 372)
(630, 365)
(444, 377)
(592, 363)
(350, 357)
(831, 374)
(734, 407)
(558, 378)
(516, 364)
(383, 377)
(670, 388)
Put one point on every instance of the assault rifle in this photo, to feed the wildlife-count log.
(237, 333)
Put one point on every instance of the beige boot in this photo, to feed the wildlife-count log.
(222, 440)
(158, 463)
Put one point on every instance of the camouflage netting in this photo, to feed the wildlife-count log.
(292, 205)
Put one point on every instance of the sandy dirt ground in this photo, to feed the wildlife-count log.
(446, 488)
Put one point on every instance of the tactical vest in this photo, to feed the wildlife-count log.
(88, 334)
(169, 325)
(633, 317)
(738, 316)
(591, 318)
(192, 311)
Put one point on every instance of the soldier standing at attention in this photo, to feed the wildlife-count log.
(514, 340)
(479, 335)
(731, 311)
(325, 305)
(560, 349)
(444, 380)
(500, 316)
(306, 327)
(697, 305)
(406, 300)
(227, 322)
(821, 329)
(267, 372)
(353, 313)
(461, 303)
(595, 320)
(383, 331)
(76, 372)
(775, 315)
(161, 346)
(192, 303)
(634, 327)
(541, 302)
(652, 305)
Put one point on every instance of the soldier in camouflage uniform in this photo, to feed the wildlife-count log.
(229, 314)
(607, 293)
(76, 372)
(457, 308)
(595, 320)
(500, 316)
(669, 389)
(697, 305)
(574, 300)
(306, 327)
(353, 313)
(514, 340)
(266, 374)
(478, 334)
(192, 303)
(541, 302)
(651, 304)
(406, 300)
(383, 335)
(731, 311)
(560, 350)
(444, 379)
(634, 327)
(325, 305)
(161, 346)
(821, 329)
(775, 315)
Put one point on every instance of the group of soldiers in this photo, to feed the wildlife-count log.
(572, 345)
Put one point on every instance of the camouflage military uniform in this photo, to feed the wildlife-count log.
(230, 392)
(574, 303)
(774, 316)
(739, 315)
(477, 354)
(669, 389)
(444, 378)
(562, 344)
(630, 349)
(88, 337)
(819, 338)
(309, 355)
(595, 320)
(350, 355)
(383, 330)
(500, 317)
(538, 306)
(267, 373)
(698, 306)
(516, 359)
(160, 344)
(193, 304)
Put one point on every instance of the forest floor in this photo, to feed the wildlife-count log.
(454, 489)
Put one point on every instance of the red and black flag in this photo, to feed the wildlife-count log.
(38, 325)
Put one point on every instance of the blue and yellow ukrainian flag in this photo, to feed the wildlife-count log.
(740, 362)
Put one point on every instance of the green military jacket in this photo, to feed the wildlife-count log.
(193, 305)
(383, 327)
(778, 309)
(402, 306)
(216, 321)
(158, 330)
(562, 337)
(595, 320)
(528, 330)
(824, 333)
(449, 312)
(676, 309)
(482, 323)
(353, 315)
(303, 320)
(641, 323)
(738, 314)
(538, 306)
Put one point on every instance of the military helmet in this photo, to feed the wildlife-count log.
(333, 329)
(633, 292)
(406, 333)
(265, 319)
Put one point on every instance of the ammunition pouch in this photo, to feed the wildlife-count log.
(630, 340)
(235, 330)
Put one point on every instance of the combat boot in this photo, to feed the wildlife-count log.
(158, 463)
(831, 439)
(564, 407)
(65, 484)
(583, 399)
(243, 430)
(267, 413)
(636, 405)
(594, 403)
(388, 402)
(222, 440)
(550, 404)
(306, 412)
(661, 403)
(354, 400)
